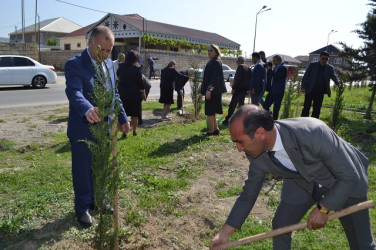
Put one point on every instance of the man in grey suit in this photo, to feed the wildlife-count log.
(316, 83)
(317, 166)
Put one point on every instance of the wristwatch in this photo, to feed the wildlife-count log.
(321, 209)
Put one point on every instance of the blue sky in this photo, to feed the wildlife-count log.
(291, 27)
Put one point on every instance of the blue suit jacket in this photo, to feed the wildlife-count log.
(80, 76)
(279, 80)
(258, 79)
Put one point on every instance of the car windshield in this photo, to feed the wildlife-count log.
(225, 67)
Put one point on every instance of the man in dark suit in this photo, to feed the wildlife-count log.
(278, 85)
(258, 79)
(80, 73)
(317, 166)
(316, 83)
(240, 87)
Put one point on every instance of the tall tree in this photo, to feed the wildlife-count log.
(362, 61)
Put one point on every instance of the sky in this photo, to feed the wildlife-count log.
(291, 27)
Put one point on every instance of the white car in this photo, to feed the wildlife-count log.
(227, 72)
(22, 70)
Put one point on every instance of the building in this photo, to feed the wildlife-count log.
(304, 60)
(129, 30)
(334, 59)
(49, 29)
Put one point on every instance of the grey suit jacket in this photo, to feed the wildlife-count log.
(319, 155)
(309, 78)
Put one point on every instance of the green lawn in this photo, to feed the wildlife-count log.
(36, 185)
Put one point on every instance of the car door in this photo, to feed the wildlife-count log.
(23, 70)
(5, 70)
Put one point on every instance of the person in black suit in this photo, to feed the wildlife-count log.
(131, 87)
(168, 77)
(239, 88)
(258, 79)
(179, 88)
(316, 83)
(278, 85)
(212, 87)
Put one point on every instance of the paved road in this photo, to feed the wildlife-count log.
(52, 94)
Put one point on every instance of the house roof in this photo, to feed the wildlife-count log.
(169, 29)
(287, 59)
(56, 25)
(302, 58)
(138, 22)
(79, 32)
(331, 49)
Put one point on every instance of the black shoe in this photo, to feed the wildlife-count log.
(216, 132)
(85, 219)
(124, 136)
(134, 133)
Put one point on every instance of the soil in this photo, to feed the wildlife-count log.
(206, 211)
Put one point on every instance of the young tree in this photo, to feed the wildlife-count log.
(362, 61)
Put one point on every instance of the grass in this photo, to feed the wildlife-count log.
(156, 167)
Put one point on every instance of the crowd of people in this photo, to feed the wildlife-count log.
(317, 166)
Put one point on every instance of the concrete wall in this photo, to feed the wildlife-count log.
(26, 49)
(58, 58)
(183, 60)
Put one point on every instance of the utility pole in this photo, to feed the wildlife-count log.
(35, 31)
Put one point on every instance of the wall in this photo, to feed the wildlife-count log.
(183, 60)
(58, 58)
(17, 49)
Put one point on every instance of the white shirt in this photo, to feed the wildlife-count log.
(281, 154)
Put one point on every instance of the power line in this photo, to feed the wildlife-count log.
(82, 6)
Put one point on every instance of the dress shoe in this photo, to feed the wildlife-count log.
(107, 208)
(134, 133)
(85, 219)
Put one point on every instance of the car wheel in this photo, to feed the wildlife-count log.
(39, 82)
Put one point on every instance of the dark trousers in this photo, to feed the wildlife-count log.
(82, 176)
(295, 202)
(256, 98)
(180, 99)
(236, 99)
(317, 99)
(276, 100)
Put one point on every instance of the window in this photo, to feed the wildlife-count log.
(315, 59)
(67, 46)
(78, 45)
(5, 62)
(20, 62)
(225, 67)
(337, 61)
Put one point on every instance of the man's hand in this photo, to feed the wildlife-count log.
(125, 127)
(303, 91)
(208, 94)
(92, 115)
(316, 219)
(221, 237)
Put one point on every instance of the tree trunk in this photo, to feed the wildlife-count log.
(368, 113)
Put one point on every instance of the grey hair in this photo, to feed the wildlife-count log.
(101, 29)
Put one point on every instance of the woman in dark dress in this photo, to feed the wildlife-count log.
(168, 77)
(131, 88)
(213, 85)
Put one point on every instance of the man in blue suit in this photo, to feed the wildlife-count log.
(278, 85)
(80, 75)
(258, 79)
(316, 83)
